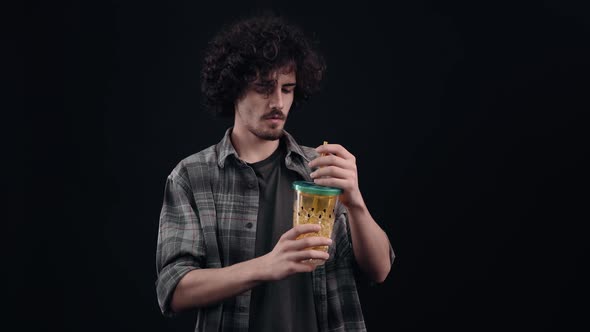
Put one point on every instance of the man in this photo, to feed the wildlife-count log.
(226, 244)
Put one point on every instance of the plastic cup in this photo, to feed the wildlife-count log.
(315, 204)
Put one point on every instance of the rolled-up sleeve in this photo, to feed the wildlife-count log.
(180, 247)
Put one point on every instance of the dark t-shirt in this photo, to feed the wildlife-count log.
(288, 304)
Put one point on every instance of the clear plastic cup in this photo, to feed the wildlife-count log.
(315, 204)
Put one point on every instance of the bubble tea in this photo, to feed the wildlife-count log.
(315, 204)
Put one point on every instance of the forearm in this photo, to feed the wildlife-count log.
(370, 243)
(204, 287)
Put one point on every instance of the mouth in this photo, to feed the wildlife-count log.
(274, 121)
(274, 117)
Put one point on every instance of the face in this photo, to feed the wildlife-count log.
(264, 106)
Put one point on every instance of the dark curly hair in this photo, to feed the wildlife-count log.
(257, 47)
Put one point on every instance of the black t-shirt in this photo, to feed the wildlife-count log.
(288, 304)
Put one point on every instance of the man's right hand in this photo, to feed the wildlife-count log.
(289, 254)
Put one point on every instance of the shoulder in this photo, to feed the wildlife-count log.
(193, 168)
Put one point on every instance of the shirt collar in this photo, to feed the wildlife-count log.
(225, 147)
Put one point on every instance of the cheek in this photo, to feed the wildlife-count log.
(251, 103)
(252, 108)
(257, 104)
(289, 100)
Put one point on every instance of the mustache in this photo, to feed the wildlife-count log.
(275, 114)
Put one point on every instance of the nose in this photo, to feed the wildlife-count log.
(276, 99)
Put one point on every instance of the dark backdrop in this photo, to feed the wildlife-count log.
(467, 119)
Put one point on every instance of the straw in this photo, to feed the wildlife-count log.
(314, 205)
(323, 153)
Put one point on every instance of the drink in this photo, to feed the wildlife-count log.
(315, 204)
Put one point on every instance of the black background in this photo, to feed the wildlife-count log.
(468, 120)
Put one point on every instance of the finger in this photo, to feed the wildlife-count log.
(335, 149)
(333, 182)
(294, 232)
(332, 160)
(333, 171)
(308, 242)
(309, 254)
(301, 267)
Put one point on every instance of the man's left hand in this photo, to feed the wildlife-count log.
(338, 169)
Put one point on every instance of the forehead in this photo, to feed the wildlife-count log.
(286, 74)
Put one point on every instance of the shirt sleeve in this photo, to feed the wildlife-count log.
(181, 246)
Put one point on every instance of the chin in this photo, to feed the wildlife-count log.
(270, 135)
(274, 136)
(266, 131)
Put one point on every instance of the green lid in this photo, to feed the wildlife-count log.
(312, 188)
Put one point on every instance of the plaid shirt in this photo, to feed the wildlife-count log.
(208, 220)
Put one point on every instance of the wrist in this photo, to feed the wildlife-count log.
(258, 269)
(357, 205)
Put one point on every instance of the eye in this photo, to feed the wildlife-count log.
(264, 87)
(261, 90)
(287, 91)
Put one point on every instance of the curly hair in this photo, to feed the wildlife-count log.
(257, 47)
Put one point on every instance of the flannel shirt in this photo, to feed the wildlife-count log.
(208, 220)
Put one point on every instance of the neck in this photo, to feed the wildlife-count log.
(249, 147)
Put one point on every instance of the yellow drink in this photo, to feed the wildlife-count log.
(314, 204)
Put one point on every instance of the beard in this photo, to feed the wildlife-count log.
(272, 132)
(268, 134)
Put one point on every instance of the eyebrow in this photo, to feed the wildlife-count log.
(268, 83)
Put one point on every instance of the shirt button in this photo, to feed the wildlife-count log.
(251, 185)
(249, 225)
